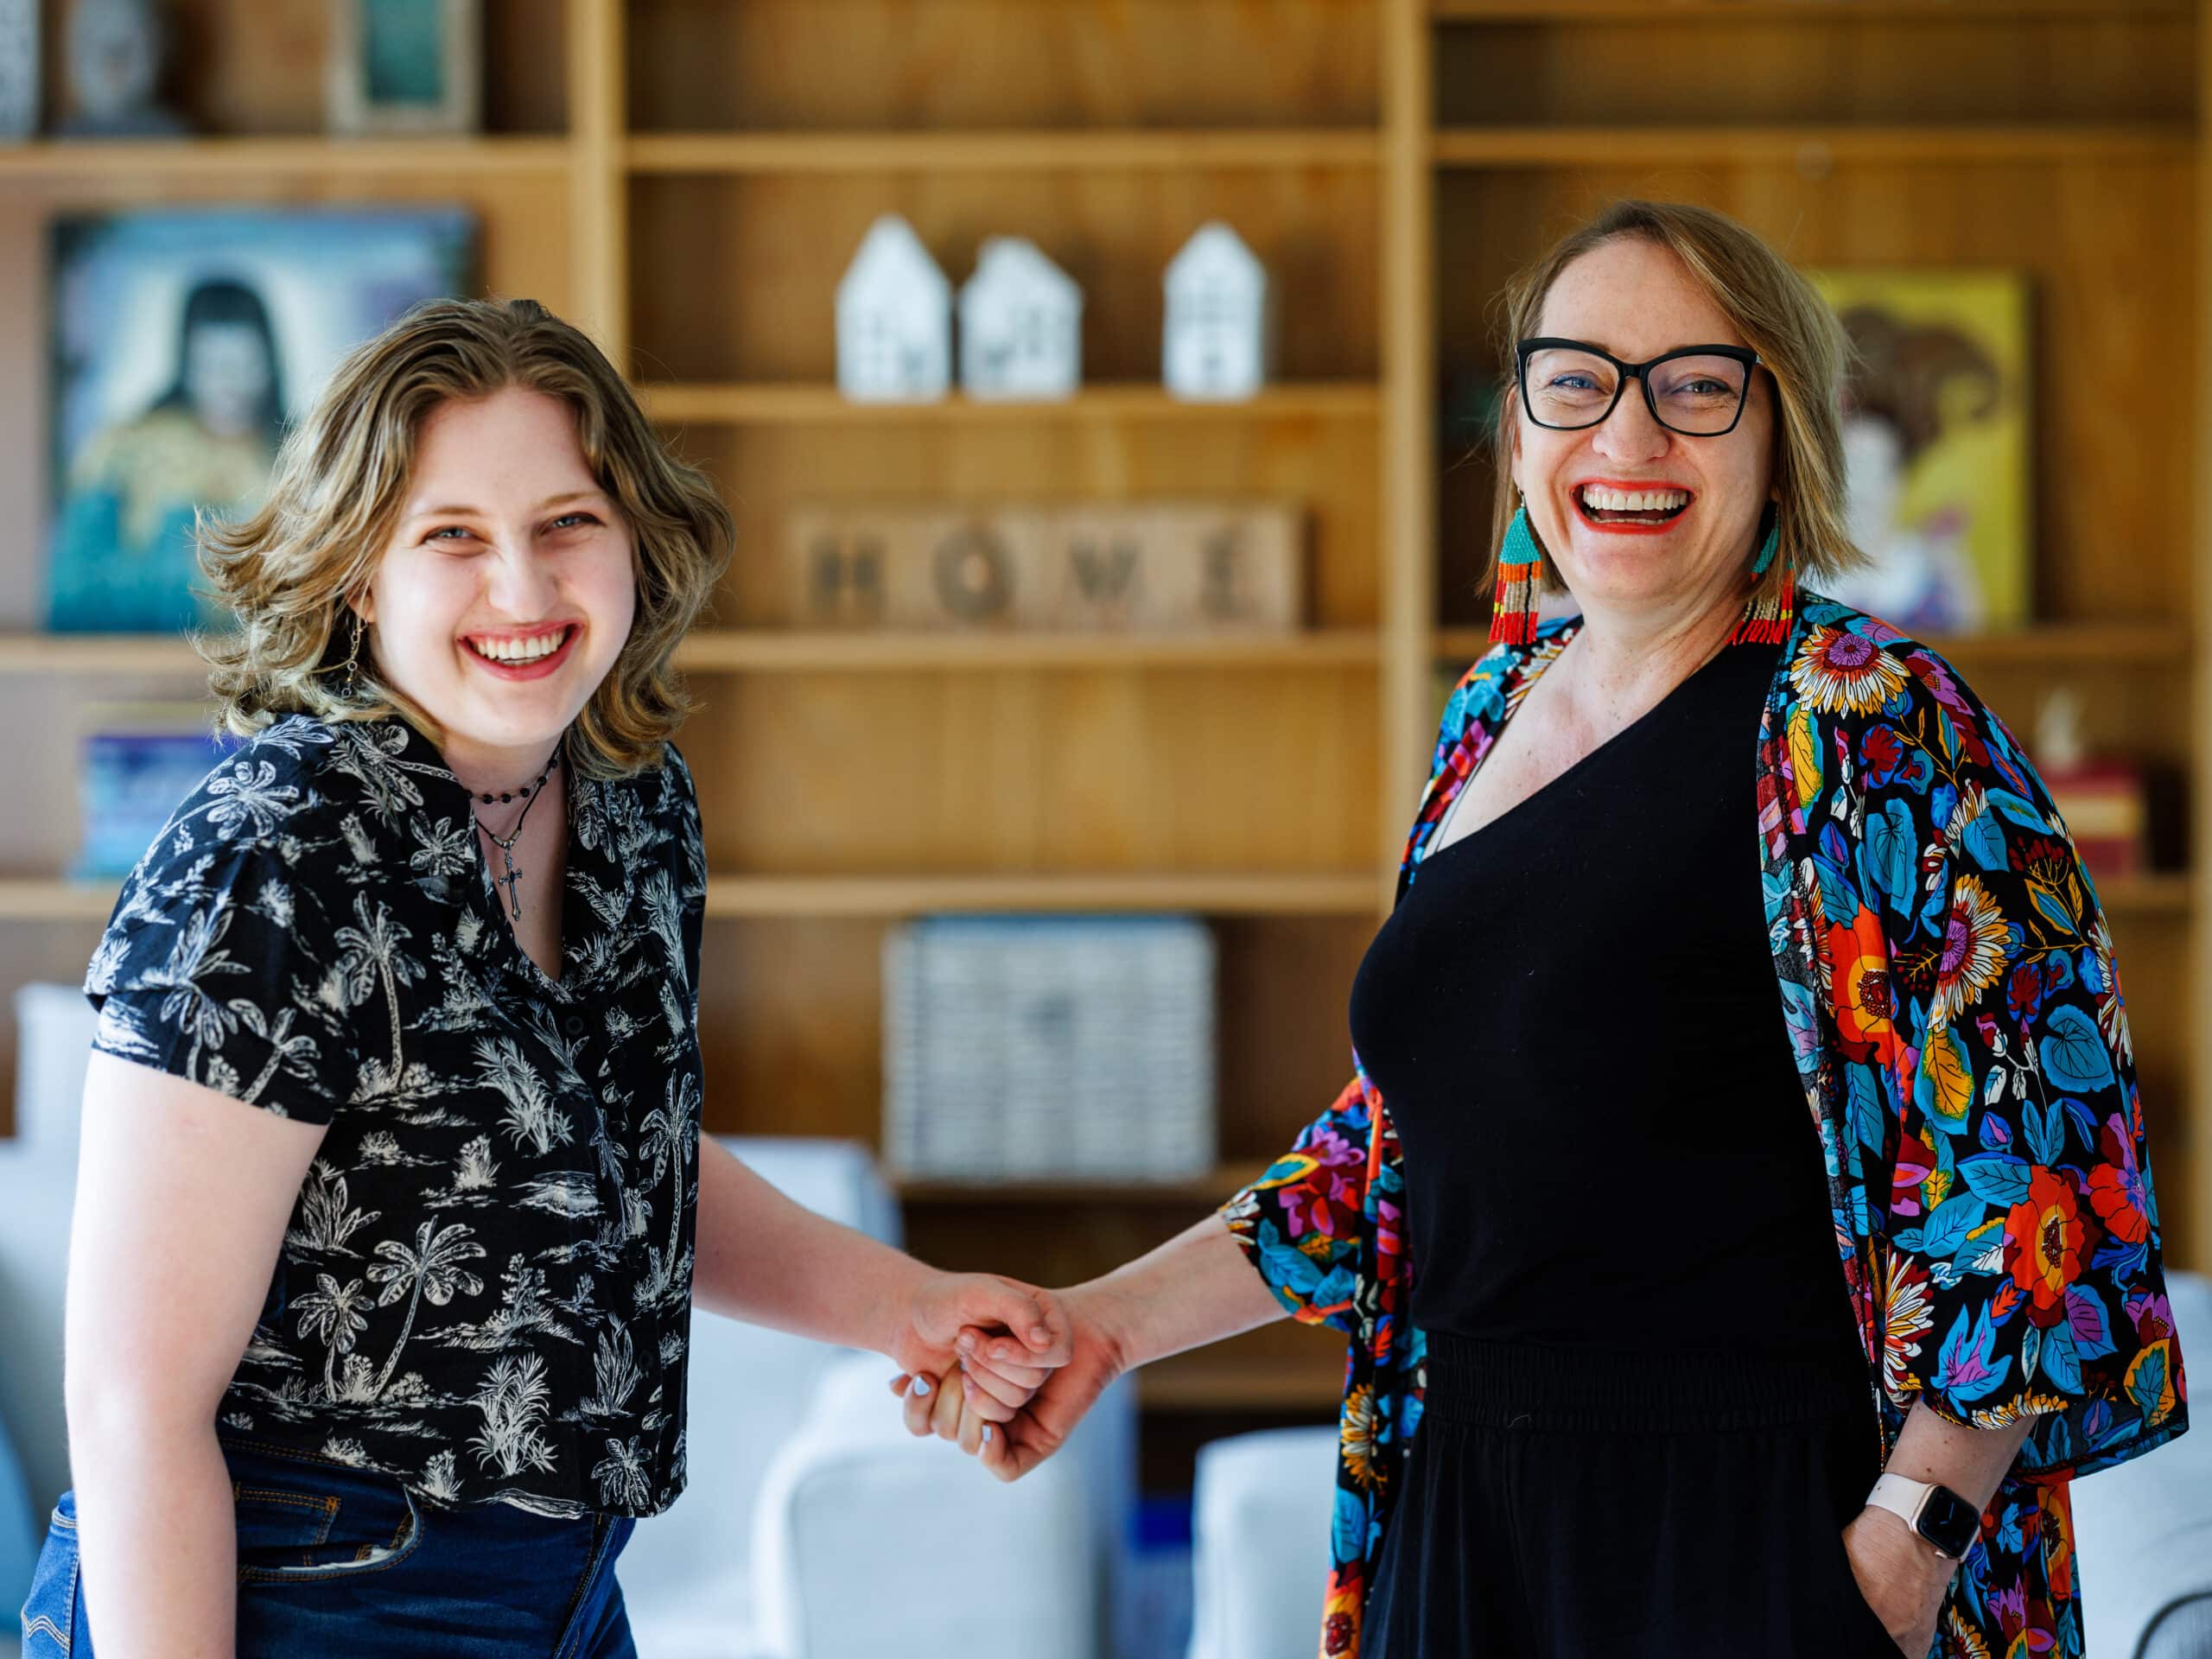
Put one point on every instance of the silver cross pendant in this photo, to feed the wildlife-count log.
(512, 876)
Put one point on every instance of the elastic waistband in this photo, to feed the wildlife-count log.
(1516, 1385)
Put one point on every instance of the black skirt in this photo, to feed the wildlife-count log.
(1570, 1504)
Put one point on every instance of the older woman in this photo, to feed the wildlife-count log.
(1758, 1232)
(393, 1204)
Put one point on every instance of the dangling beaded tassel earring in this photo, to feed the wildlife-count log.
(1513, 611)
(1767, 622)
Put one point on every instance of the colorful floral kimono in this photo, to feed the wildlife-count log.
(1943, 967)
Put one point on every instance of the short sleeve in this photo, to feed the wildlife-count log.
(219, 965)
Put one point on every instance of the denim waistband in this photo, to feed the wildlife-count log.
(1491, 1384)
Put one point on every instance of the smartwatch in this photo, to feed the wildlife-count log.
(1948, 1522)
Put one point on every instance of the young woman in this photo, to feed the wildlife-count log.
(393, 1203)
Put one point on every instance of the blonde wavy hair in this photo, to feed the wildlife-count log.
(1781, 316)
(289, 569)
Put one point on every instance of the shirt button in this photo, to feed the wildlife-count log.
(574, 1025)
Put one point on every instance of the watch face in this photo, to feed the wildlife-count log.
(1949, 1521)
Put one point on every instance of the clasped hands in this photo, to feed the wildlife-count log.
(1011, 1402)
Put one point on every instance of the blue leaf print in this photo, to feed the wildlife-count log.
(1983, 842)
(2046, 1136)
(2147, 1383)
(1348, 1525)
(1892, 848)
(2000, 1178)
(2062, 1359)
(1947, 1229)
(2072, 1050)
(1942, 802)
(1964, 1369)
(1867, 1117)
(1797, 1010)
(2018, 811)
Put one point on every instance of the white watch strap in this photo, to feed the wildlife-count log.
(1900, 1497)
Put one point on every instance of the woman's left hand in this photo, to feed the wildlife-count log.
(1902, 1578)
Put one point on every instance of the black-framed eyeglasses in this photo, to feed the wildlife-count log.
(1697, 390)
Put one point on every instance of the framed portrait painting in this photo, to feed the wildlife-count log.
(1936, 425)
(185, 342)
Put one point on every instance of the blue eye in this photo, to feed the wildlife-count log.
(442, 529)
(584, 518)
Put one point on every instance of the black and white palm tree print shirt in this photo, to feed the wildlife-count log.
(485, 1290)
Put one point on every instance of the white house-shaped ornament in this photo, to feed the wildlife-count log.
(894, 320)
(1218, 340)
(1021, 324)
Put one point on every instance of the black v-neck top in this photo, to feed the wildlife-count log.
(1552, 1011)
(485, 1289)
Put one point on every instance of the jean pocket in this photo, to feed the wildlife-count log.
(50, 1610)
(307, 1520)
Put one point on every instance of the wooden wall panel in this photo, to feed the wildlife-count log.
(1715, 71)
(1094, 772)
(736, 278)
(873, 64)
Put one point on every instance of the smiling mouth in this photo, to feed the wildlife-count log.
(522, 653)
(1610, 506)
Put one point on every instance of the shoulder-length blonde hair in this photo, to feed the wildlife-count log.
(1780, 315)
(339, 483)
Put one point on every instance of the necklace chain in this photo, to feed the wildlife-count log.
(506, 844)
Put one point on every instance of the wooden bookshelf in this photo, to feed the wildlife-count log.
(689, 181)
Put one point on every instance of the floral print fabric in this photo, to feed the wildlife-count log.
(485, 1288)
(1947, 979)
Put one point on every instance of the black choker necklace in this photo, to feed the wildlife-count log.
(524, 792)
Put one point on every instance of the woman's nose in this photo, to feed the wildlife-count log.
(521, 583)
(1631, 433)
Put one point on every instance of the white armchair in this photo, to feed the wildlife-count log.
(868, 1542)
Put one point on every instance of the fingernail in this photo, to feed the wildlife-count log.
(1041, 1335)
(920, 1387)
(1001, 1353)
(966, 1344)
(986, 1431)
(968, 1386)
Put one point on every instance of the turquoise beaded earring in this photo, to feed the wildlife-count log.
(1513, 611)
(1767, 622)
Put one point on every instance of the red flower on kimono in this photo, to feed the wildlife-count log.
(1860, 988)
(2045, 1237)
(2116, 1186)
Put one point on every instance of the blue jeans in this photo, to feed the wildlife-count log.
(337, 1561)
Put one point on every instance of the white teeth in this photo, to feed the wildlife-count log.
(515, 650)
(1601, 500)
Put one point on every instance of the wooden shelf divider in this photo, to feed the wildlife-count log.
(1798, 12)
(307, 156)
(1824, 146)
(1052, 150)
(810, 404)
